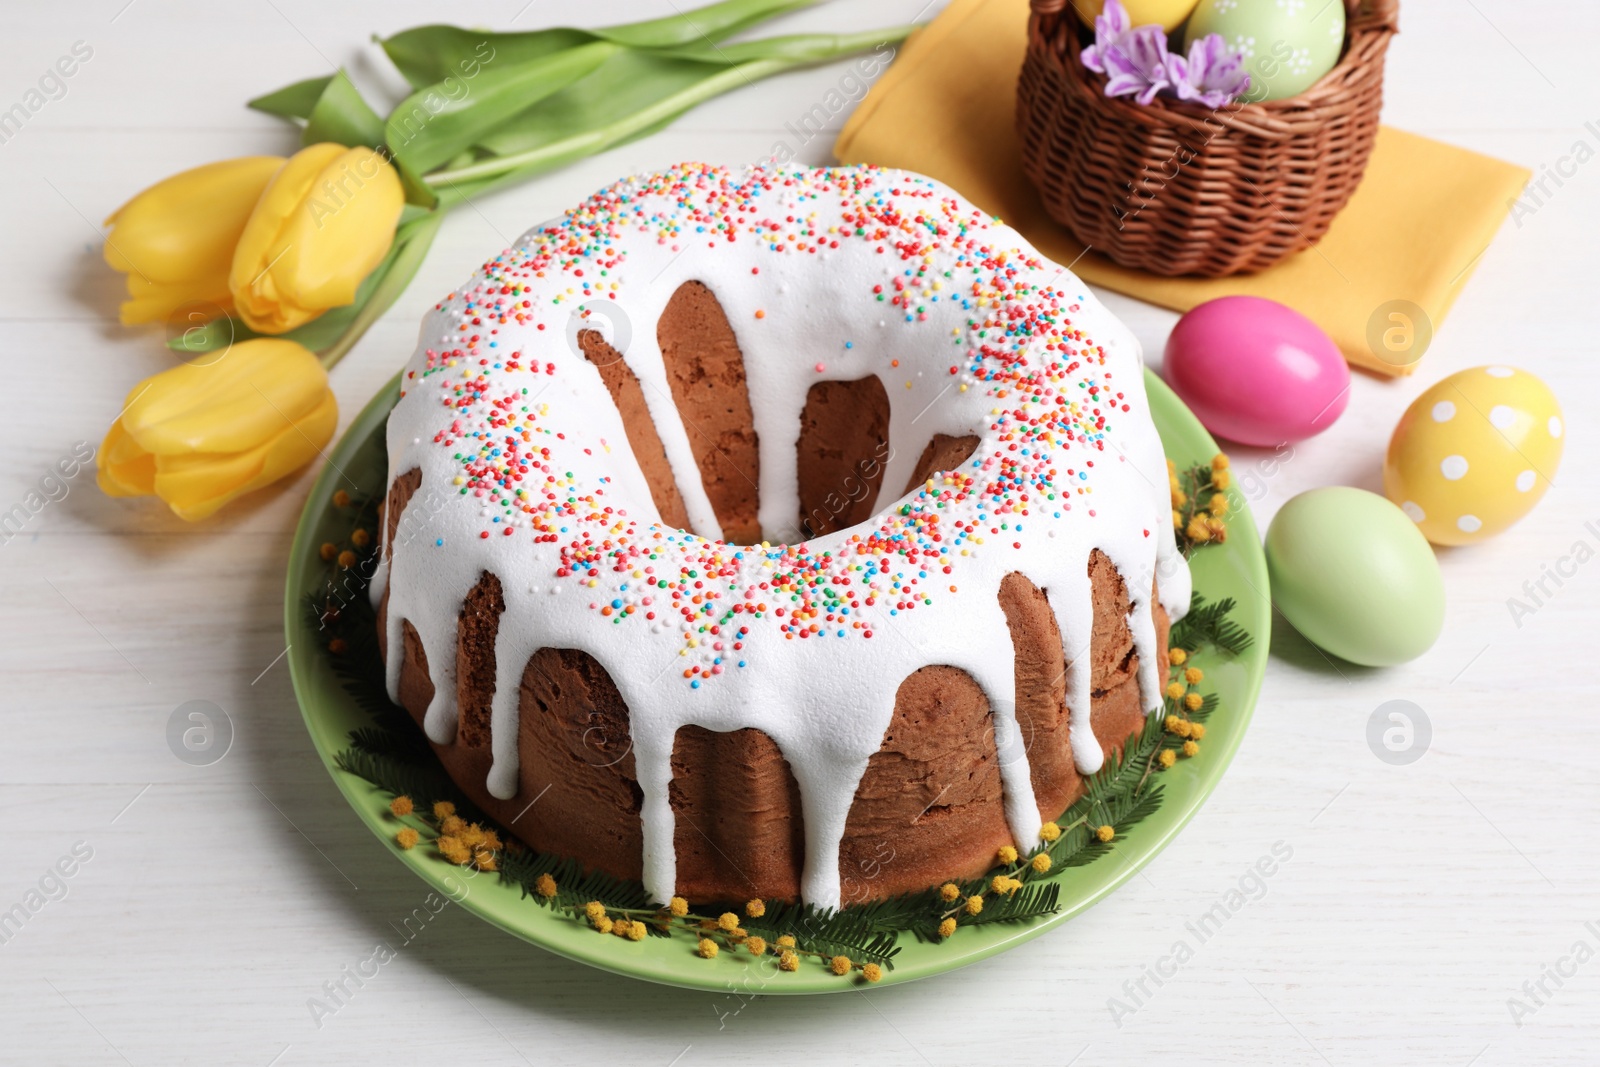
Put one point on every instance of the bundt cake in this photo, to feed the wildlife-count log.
(774, 532)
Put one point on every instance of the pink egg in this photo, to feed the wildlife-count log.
(1256, 372)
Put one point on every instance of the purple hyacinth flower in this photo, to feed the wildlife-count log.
(1212, 75)
(1137, 65)
(1110, 26)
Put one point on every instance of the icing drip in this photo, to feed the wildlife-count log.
(824, 274)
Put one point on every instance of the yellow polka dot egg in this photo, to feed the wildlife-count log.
(1474, 453)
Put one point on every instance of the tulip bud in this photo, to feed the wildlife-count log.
(325, 221)
(175, 240)
(200, 434)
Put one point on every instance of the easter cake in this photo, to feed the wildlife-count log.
(774, 532)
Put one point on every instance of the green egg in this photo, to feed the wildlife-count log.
(1354, 575)
(1288, 45)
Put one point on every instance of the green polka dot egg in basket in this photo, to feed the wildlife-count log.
(775, 576)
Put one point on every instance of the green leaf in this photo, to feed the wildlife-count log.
(328, 327)
(714, 22)
(316, 334)
(626, 108)
(342, 116)
(434, 124)
(410, 213)
(419, 194)
(292, 101)
(427, 55)
(632, 82)
(624, 85)
(218, 333)
(793, 48)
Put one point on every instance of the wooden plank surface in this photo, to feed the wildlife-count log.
(216, 901)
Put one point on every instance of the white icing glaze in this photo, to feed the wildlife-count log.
(989, 338)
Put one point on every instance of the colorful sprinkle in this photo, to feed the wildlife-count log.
(1053, 403)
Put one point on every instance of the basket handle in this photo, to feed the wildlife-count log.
(1384, 13)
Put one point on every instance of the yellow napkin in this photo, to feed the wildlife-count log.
(1411, 235)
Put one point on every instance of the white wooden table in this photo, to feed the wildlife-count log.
(216, 901)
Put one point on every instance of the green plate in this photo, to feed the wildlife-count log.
(1234, 569)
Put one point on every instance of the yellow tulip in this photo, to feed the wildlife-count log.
(175, 240)
(200, 434)
(322, 225)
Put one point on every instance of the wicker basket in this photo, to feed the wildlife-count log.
(1176, 188)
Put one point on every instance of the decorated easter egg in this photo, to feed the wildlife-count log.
(1287, 45)
(1143, 12)
(1474, 453)
(1353, 575)
(1256, 372)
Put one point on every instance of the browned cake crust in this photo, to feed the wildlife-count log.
(643, 439)
(930, 805)
(843, 448)
(706, 373)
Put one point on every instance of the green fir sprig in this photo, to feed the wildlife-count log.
(1208, 623)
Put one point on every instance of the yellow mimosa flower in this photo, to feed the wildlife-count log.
(322, 225)
(175, 240)
(200, 434)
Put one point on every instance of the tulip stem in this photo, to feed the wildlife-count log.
(414, 238)
(597, 140)
(521, 164)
